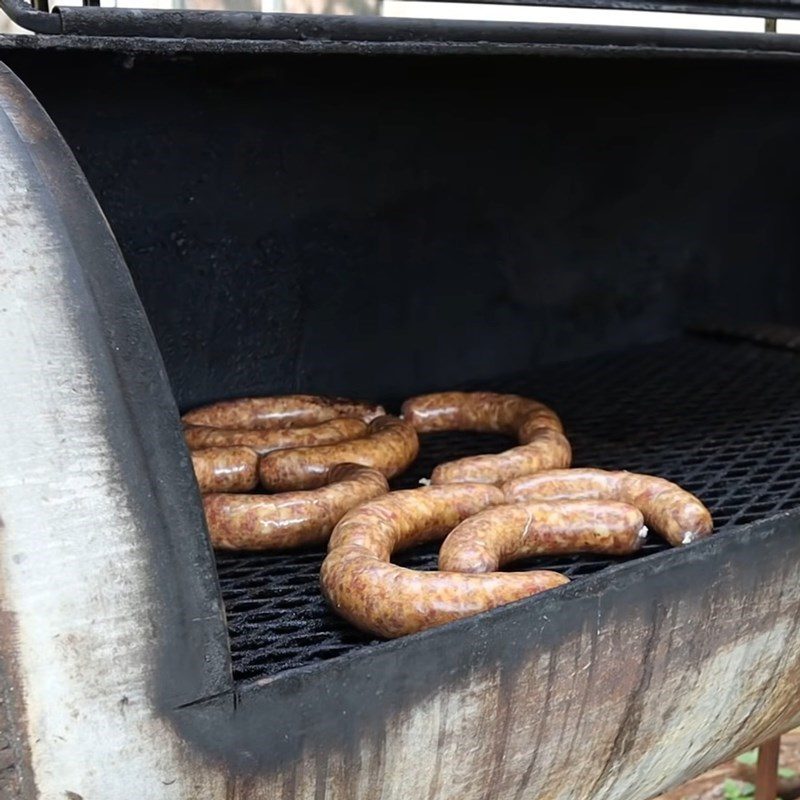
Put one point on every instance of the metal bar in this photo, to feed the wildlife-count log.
(28, 17)
(767, 770)
(232, 24)
(754, 8)
(94, 21)
(309, 28)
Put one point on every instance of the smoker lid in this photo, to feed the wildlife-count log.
(181, 24)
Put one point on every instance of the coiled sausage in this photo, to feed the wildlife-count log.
(667, 508)
(291, 519)
(494, 537)
(363, 586)
(389, 446)
(537, 428)
(225, 469)
(265, 441)
(280, 412)
(549, 449)
(480, 411)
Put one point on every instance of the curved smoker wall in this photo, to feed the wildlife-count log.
(110, 610)
(114, 645)
(291, 219)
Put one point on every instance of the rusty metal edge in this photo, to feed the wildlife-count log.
(454, 39)
(194, 657)
(16, 773)
(263, 726)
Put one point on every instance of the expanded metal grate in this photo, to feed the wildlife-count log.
(721, 419)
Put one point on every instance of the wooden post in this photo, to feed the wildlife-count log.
(767, 770)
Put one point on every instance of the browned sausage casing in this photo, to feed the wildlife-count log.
(507, 533)
(390, 446)
(536, 426)
(480, 411)
(225, 469)
(265, 441)
(667, 508)
(549, 449)
(280, 412)
(291, 519)
(364, 587)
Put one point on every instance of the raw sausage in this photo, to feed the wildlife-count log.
(549, 449)
(225, 469)
(381, 598)
(291, 519)
(280, 412)
(537, 428)
(389, 446)
(363, 586)
(669, 510)
(494, 537)
(480, 411)
(264, 441)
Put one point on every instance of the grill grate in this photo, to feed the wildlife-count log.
(721, 419)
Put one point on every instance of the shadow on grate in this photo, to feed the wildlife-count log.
(721, 419)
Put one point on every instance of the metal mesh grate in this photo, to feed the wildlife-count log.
(721, 419)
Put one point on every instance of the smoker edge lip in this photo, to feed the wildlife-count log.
(195, 652)
(362, 691)
(587, 586)
(180, 32)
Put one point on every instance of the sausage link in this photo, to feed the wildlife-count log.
(537, 428)
(480, 411)
(389, 446)
(667, 508)
(265, 441)
(225, 469)
(292, 519)
(549, 449)
(494, 537)
(280, 412)
(363, 586)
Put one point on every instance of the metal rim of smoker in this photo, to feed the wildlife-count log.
(92, 20)
(617, 664)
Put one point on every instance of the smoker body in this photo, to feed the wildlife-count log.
(382, 218)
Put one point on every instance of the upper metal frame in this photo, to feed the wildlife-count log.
(92, 20)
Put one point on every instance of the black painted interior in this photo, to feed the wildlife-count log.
(381, 225)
